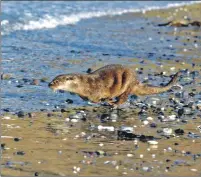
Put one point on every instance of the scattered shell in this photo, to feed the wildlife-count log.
(129, 155)
(145, 122)
(167, 131)
(149, 118)
(145, 168)
(153, 142)
(107, 128)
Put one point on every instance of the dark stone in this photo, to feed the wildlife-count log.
(36, 174)
(188, 153)
(153, 125)
(16, 139)
(43, 110)
(49, 114)
(122, 135)
(180, 112)
(63, 110)
(192, 94)
(184, 121)
(3, 146)
(6, 110)
(26, 80)
(20, 114)
(19, 86)
(20, 153)
(105, 54)
(176, 144)
(104, 117)
(69, 101)
(179, 131)
(31, 115)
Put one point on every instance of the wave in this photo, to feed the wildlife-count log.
(48, 21)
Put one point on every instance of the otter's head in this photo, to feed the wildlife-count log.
(67, 82)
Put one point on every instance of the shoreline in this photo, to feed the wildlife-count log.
(164, 130)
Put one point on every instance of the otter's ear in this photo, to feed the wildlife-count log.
(69, 78)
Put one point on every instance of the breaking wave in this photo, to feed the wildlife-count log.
(49, 21)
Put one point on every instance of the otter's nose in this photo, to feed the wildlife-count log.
(50, 84)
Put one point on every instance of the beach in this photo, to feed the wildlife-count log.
(47, 133)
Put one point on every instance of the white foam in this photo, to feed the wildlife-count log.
(47, 21)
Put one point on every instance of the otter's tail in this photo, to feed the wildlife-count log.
(144, 89)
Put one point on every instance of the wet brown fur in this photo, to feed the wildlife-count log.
(106, 83)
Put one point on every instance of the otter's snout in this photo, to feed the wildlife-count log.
(52, 85)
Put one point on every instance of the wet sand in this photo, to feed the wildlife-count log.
(70, 142)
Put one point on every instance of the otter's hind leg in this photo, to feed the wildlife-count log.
(122, 98)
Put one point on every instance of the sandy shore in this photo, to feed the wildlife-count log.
(71, 141)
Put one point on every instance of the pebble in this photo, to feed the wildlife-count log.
(149, 118)
(153, 142)
(169, 118)
(141, 156)
(167, 131)
(153, 125)
(35, 82)
(20, 114)
(199, 128)
(6, 76)
(153, 101)
(172, 68)
(69, 101)
(105, 117)
(169, 149)
(187, 111)
(20, 153)
(127, 129)
(74, 120)
(145, 122)
(101, 144)
(16, 139)
(31, 115)
(113, 117)
(145, 168)
(6, 117)
(107, 128)
(78, 115)
(179, 131)
(3, 145)
(129, 155)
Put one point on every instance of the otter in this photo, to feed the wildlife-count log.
(105, 84)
